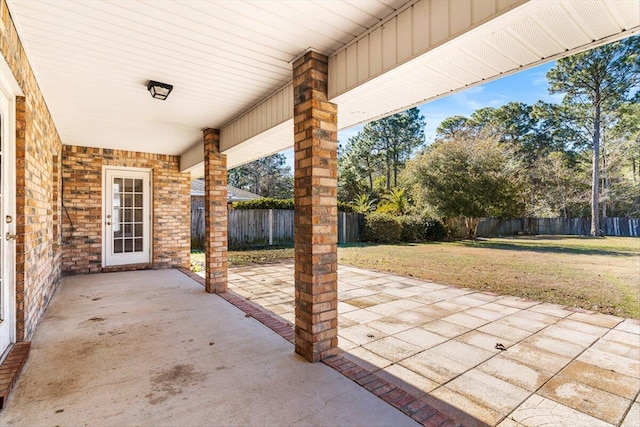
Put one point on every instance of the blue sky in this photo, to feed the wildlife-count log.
(527, 86)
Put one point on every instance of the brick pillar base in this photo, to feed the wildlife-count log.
(215, 212)
(316, 211)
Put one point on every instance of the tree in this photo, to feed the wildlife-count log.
(396, 138)
(516, 127)
(620, 152)
(627, 128)
(558, 125)
(565, 184)
(455, 127)
(349, 184)
(382, 148)
(357, 164)
(468, 178)
(598, 80)
(268, 177)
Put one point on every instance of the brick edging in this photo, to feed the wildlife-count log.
(192, 275)
(405, 402)
(414, 407)
(270, 320)
(11, 367)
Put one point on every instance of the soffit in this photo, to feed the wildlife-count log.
(93, 59)
(530, 34)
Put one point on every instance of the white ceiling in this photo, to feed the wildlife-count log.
(92, 60)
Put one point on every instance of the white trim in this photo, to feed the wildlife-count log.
(8, 84)
(10, 89)
(149, 219)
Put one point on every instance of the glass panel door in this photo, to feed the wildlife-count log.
(127, 225)
(128, 207)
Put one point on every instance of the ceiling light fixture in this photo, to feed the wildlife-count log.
(159, 90)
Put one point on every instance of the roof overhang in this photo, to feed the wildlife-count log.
(230, 62)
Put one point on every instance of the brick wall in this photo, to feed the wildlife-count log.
(82, 218)
(38, 145)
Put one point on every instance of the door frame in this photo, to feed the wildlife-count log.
(148, 230)
(10, 90)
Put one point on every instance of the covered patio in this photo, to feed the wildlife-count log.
(95, 172)
(103, 169)
(151, 348)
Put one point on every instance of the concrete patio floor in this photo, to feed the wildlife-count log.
(561, 366)
(152, 348)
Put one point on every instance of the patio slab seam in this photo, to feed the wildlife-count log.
(559, 373)
(472, 368)
(416, 408)
(543, 384)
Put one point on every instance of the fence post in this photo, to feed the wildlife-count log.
(344, 227)
(270, 227)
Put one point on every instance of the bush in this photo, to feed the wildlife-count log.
(345, 207)
(434, 230)
(417, 228)
(386, 228)
(412, 228)
(382, 227)
(265, 203)
(287, 204)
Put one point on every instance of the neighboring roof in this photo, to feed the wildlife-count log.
(233, 194)
(238, 195)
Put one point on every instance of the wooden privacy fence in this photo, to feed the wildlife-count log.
(492, 227)
(262, 227)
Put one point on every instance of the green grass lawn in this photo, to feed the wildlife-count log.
(249, 256)
(596, 274)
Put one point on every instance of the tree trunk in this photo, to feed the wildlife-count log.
(370, 175)
(595, 191)
(388, 177)
(532, 203)
(471, 224)
(395, 175)
(605, 177)
(395, 169)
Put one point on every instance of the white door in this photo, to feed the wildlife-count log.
(127, 216)
(7, 225)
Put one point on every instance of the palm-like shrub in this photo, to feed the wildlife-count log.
(363, 204)
(395, 202)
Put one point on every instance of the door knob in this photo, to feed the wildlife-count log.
(10, 236)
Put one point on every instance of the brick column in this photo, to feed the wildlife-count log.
(215, 212)
(316, 211)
